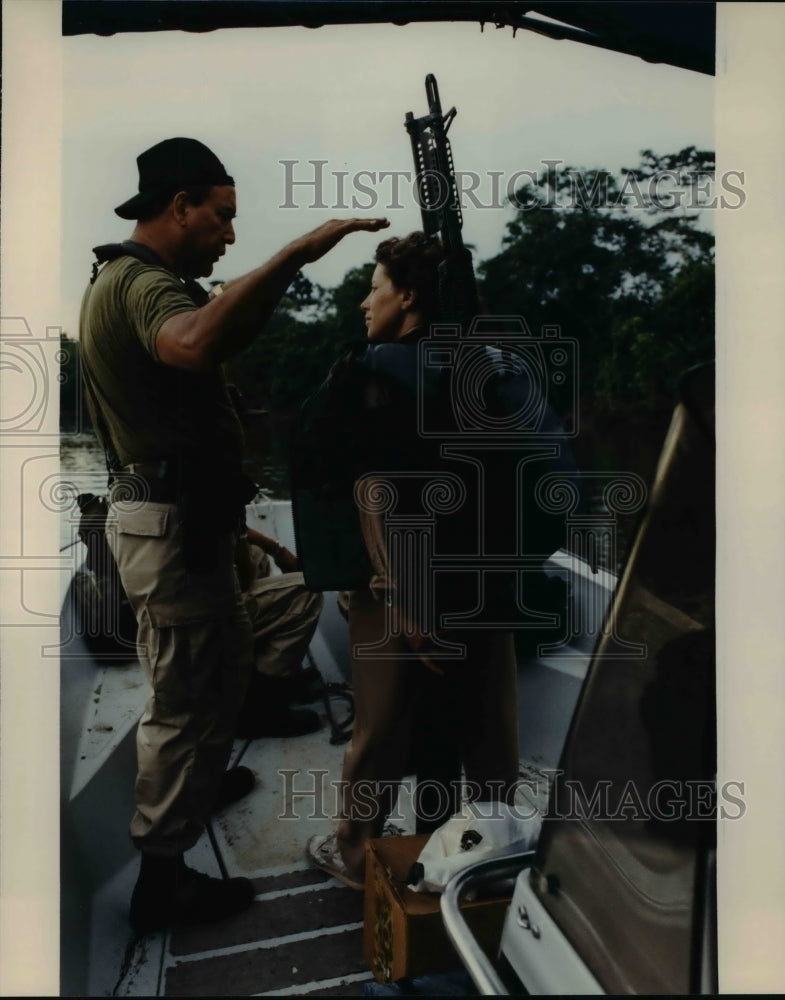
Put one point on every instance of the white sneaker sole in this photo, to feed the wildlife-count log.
(328, 862)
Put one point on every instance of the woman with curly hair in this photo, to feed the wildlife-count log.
(373, 415)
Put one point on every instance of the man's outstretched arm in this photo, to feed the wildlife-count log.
(200, 339)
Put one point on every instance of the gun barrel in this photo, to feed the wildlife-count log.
(439, 199)
(432, 95)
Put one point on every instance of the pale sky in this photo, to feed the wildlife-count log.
(340, 94)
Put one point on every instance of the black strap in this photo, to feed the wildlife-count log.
(130, 248)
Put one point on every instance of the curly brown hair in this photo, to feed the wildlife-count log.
(412, 262)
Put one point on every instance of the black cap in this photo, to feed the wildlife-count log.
(172, 165)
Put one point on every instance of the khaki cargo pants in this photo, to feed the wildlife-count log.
(195, 645)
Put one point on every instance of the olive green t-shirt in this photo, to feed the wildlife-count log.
(150, 410)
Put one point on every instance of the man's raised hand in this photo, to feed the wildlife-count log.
(322, 239)
(199, 339)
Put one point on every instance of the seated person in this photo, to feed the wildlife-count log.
(283, 615)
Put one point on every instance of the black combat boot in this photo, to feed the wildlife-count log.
(305, 686)
(267, 711)
(236, 783)
(169, 894)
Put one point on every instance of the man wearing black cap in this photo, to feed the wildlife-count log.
(152, 348)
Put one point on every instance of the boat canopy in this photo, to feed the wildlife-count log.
(679, 34)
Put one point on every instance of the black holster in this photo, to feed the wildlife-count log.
(210, 509)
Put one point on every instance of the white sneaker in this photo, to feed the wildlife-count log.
(322, 850)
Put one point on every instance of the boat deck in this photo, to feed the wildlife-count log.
(303, 934)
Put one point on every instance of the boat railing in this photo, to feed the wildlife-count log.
(500, 875)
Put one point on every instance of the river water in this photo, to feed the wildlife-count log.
(82, 463)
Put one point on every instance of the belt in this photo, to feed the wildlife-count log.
(156, 481)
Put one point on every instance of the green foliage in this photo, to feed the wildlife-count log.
(648, 353)
(621, 265)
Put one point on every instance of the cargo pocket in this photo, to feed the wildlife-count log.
(148, 544)
(198, 668)
(145, 520)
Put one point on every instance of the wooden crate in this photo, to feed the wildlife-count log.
(403, 932)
